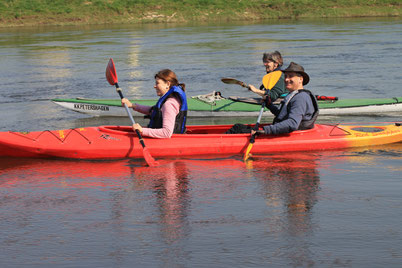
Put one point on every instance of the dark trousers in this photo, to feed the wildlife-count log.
(239, 128)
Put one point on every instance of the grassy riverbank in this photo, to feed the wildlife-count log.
(63, 12)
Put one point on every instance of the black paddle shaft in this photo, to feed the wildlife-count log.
(130, 115)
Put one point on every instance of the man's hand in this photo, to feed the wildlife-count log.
(267, 100)
(257, 132)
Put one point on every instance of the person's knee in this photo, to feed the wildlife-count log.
(239, 128)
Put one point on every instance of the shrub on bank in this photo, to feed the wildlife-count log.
(23, 12)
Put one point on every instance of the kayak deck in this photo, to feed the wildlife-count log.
(239, 104)
(234, 106)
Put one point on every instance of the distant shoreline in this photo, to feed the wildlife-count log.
(39, 13)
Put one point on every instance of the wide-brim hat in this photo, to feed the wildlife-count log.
(296, 68)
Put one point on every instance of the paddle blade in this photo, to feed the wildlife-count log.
(111, 74)
(233, 81)
(229, 80)
(148, 158)
(270, 80)
(247, 154)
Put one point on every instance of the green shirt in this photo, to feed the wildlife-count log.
(277, 90)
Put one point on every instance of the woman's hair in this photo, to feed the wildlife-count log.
(169, 76)
(274, 56)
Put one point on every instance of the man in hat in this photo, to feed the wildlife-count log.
(298, 110)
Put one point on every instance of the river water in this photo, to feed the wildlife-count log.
(317, 209)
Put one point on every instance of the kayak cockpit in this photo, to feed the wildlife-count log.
(120, 130)
(191, 130)
(128, 130)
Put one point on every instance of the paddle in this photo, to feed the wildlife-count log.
(233, 81)
(252, 139)
(258, 101)
(269, 81)
(111, 77)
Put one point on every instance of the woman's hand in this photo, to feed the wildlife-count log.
(137, 127)
(256, 90)
(127, 102)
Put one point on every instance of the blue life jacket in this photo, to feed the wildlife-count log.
(156, 110)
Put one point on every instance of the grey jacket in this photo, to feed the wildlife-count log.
(295, 108)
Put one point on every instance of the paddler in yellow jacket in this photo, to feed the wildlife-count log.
(273, 83)
(273, 86)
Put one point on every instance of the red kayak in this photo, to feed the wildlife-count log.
(110, 142)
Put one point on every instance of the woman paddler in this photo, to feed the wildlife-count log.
(273, 83)
(273, 86)
(169, 114)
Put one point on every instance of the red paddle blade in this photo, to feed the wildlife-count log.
(148, 158)
(111, 74)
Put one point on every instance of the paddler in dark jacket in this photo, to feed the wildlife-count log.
(298, 110)
(169, 114)
(273, 83)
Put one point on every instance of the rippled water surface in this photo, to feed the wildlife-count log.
(317, 209)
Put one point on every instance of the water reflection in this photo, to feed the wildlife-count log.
(134, 88)
(290, 183)
(178, 213)
(170, 184)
